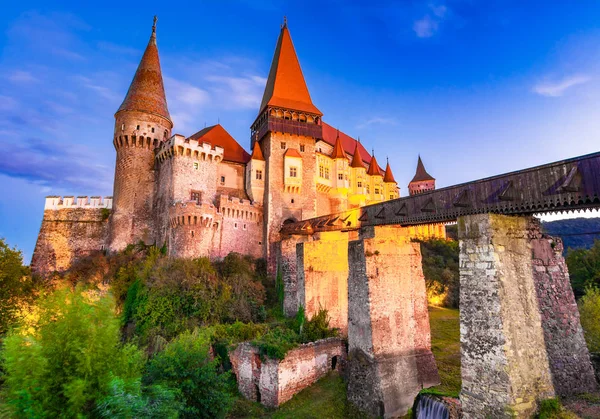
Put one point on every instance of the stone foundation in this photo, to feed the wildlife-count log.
(273, 382)
(389, 353)
(504, 364)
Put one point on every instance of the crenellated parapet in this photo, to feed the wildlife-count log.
(242, 209)
(191, 213)
(178, 145)
(70, 202)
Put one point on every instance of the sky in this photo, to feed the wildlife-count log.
(476, 87)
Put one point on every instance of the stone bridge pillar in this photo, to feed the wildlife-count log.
(322, 272)
(389, 341)
(286, 264)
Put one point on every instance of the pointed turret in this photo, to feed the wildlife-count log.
(338, 149)
(356, 158)
(147, 92)
(373, 169)
(286, 87)
(388, 177)
(422, 182)
(257, 153)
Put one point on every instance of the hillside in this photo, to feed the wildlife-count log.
(576, 233)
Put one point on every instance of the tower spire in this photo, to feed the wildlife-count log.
(388, 177)
(373, 166)
(357, 158)
(338, 149)
(147, 92)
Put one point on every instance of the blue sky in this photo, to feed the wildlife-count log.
(476, 87)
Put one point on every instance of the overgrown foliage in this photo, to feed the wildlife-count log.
(584, 268)
(16, 285)
(60, 361)
(589, 310)
(441, 270)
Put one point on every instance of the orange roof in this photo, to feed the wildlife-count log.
(421, 174)
(217, 136)
(338, 149)
(349, 144)
(257, 152)
(388, 177)
(374, 168)
(292, 152)
(357, 160)
(146, 92)
(286, 87)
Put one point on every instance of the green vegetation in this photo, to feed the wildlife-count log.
(589, 310)
(440, 267)
(584, 268)
(445, 345)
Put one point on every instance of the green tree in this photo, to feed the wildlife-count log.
(61, 363)
(584, 268)
(589, 310)
(15, 285)
(186, 364)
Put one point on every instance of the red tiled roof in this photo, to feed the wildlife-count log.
(374, 168)
(146, 92)
(216, 135)
(421, 174)
(338, 149)
(257, 152)
(330, 135)
(292, 152)
(388, 177)
(357, 160)
(286, 87)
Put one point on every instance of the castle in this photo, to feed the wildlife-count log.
(205, 195)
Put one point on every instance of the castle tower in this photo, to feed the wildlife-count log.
(422, 182)
(142, 122)
(390, 185)
(358, 179)
(341, 177)
(375, 181)
(255, 175)
(287, 126)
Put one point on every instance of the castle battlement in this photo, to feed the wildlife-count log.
(178, 145)
(191, 213)
(70, 202)
(243, 209)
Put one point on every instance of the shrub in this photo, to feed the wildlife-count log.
(64, 362)
(15, 285)
(317, 328)
(186, 364)
(584, 268)
(589, 310)
(440, 267)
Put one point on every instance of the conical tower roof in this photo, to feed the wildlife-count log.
(388, 177)
(147, 92)
(421, 174)
(338, 149)
(286, 87)
(373, 169)
(257, 153)
(357, 160)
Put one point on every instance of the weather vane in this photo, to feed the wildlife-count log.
(154, 24)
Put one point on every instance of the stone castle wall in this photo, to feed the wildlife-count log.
(273, 382)
(242, 227)
(71, 230)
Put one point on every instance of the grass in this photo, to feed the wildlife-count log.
(445, 345)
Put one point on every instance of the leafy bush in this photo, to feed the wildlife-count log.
(277, 342)
(589, 310)
(186, 364)
(440, 267)
(63, 362)
(584, 268)
(317, 328)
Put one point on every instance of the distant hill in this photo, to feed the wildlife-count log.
(576, 233)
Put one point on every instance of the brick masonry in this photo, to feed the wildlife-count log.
(273, 382)
(389, 342)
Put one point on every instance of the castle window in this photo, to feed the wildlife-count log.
(391, 196)
(165, 134)
(259, 175)
(137, 127)
(222, 180)
(368, 189)
(292, 200)
(359, 184)
(244, 227)
(235, 225)
(340, 176)
(302, 148)
(122, 127)
(195, 196)
(196, 165)
(192, 233)
(376, 191)
(152, 129)
(283, 145)
(293, 171)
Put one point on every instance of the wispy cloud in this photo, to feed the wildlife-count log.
(377, 121)
(19, 76)
(559, 87)
(240, 92)
(428, 25)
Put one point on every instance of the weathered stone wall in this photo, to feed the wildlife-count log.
(241, 229)
(194, 230)
(389, 349)
(322, 272)
(67, 235)
(280, 205)
(572, 372)
(504, 366)
(324, 206)
(273, 382)
(287, 260)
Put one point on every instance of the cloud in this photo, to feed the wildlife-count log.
(243, 92)
(7, 103)
(19, 76)
(428, 26)
(558, 88)
(186, 93)
(102, 91)
(378, 121)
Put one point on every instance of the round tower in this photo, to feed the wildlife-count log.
(142, 122)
